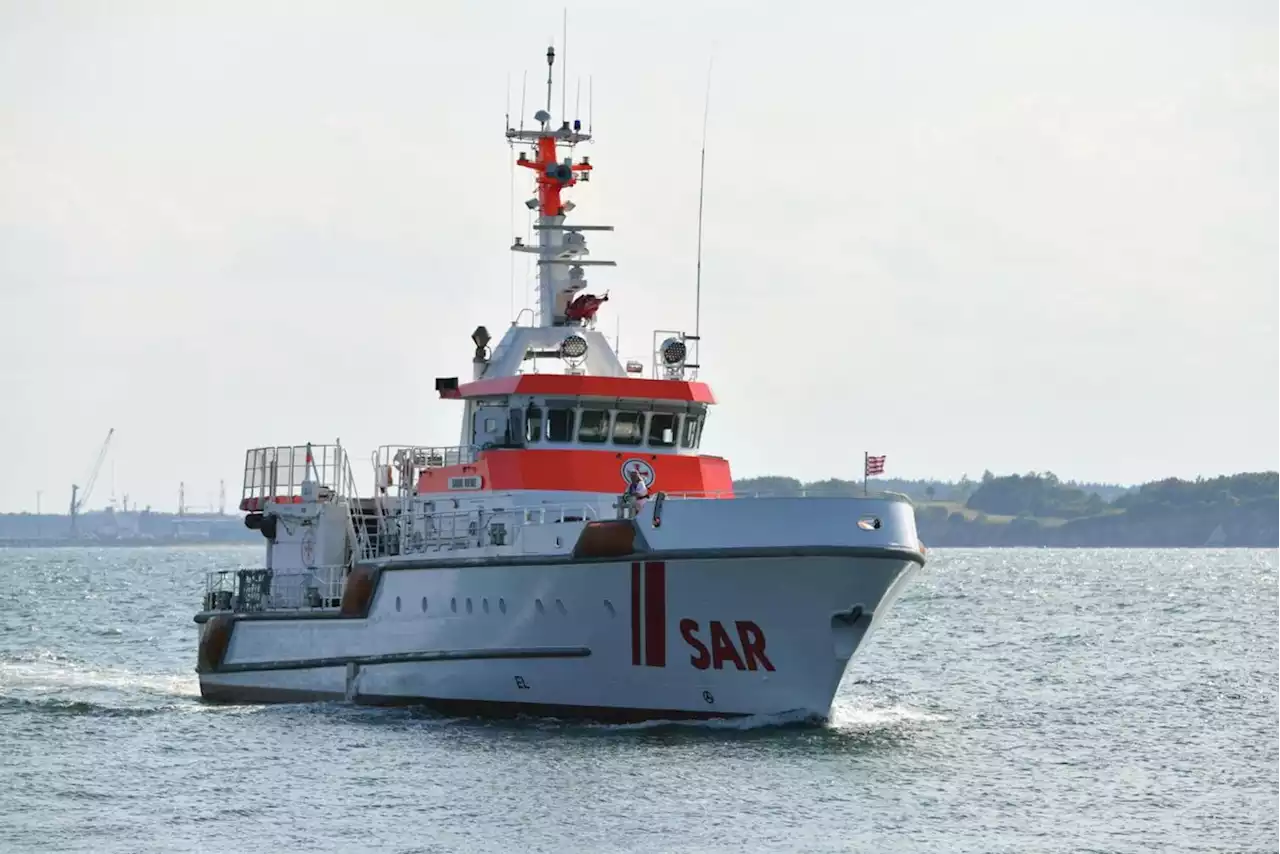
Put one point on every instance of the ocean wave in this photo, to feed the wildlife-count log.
(72, 708)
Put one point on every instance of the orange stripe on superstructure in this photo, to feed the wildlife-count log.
(584, 386)
(580, 470)
(437, 479)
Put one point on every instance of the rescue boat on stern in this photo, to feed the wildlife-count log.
(522, 570)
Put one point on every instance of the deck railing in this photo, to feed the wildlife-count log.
(423, 532)
(397, 467)
(252, 589)
(276, 474)
(798, 493)
(425, 456)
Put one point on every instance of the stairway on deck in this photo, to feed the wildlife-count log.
(368, 521)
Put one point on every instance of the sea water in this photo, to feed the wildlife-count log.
(1013, 701)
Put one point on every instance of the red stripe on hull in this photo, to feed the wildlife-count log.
(655, 614)
(635, 613)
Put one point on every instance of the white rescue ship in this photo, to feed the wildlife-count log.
(574, 556)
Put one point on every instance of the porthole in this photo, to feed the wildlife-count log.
(397, 603)
(538, 604)
(453, 605)
(560, 607)
(502, 605)
(424, 604)
(468, 604)
(608, 606)
(484, 603)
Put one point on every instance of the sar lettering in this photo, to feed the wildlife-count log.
(746, 654)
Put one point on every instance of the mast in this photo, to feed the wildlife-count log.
(561, 248)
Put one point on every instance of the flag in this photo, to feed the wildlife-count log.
(875, 465)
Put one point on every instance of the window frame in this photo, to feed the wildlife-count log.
(606, 430)
(534, 425)
(642, 425)
(675, 430)
(572, 431)
(691, 430)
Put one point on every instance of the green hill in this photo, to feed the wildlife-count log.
(1039, 509)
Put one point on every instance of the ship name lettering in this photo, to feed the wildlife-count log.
(723, 650)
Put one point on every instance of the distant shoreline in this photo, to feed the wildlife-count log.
(1038, 510)
(54, 543)
(1035, 510)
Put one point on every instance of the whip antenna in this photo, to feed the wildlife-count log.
(564, 65)
(702, 179)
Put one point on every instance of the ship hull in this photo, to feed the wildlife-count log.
(740, 632)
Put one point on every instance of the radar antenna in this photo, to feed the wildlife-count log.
(561, 248)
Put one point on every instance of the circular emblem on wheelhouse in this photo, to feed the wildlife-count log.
(640, 467)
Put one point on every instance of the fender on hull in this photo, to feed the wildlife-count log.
(215, 637)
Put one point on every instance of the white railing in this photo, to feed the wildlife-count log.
(398, 466)
(256, 589)
(799, 493)
(276, 474)
(361, 544)
(424, 531)
(552, 514)
(425, 456)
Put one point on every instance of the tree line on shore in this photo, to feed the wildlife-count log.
(1040, 509)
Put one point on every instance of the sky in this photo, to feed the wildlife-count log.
(991, 235)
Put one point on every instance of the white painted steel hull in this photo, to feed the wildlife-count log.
(605, 638)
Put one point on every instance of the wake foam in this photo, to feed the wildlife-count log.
(49, 682)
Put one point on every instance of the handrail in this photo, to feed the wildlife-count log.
(399, 466)
(426, 456)
(422, 530)
(250, 589)
(359, 536)
(729, 495)
(276, 473)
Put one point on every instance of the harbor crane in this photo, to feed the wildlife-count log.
(79, 498)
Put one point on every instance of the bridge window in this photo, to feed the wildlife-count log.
(662, 430)
(692, 432)
(628, 428)
(560, 425)
(593, 425)
(515, 427)
(533, 424)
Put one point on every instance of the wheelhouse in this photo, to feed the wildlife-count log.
(595, 413)
(574, 433)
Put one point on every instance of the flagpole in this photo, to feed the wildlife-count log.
(866, 463)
